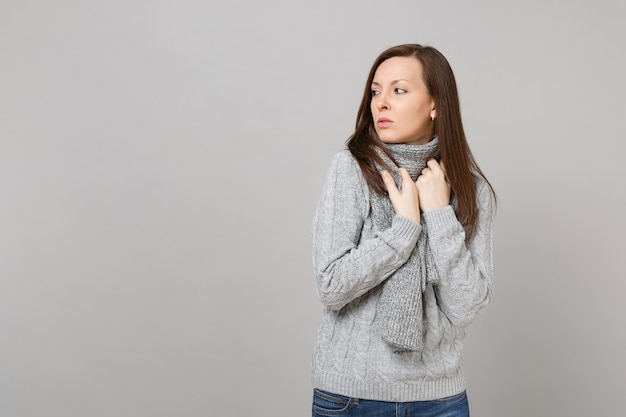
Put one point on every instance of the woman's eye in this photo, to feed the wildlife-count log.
(399, 90)
(375, 92)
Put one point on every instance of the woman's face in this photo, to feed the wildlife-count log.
(401, 106)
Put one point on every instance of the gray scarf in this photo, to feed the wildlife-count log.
(400, 314)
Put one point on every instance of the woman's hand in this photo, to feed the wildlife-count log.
(434, 190)
(405, 201)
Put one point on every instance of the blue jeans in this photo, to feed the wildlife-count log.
(326, 404)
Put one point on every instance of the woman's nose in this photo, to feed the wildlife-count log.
(383, 103)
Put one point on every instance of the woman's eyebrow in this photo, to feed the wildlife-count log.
(393, 82)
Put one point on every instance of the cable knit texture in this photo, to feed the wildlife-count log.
(400, 315)
(352, 257)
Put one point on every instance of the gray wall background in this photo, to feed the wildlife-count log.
(160, 163)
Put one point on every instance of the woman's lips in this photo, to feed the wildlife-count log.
(384, 122)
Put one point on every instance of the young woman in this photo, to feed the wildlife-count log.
(402, 248)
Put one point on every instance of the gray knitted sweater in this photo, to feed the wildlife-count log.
(351, 258)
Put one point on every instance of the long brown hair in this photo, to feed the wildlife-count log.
(454, 150)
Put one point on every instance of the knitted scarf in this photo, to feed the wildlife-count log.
(400, 314)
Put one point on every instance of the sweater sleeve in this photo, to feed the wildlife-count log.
(465, 268)
(345, 265)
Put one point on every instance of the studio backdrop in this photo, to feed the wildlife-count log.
(160, 164)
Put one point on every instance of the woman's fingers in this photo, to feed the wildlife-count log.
(406, 178)
(443, 167)
(389, 182)
(405, 200)
(434, 190)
